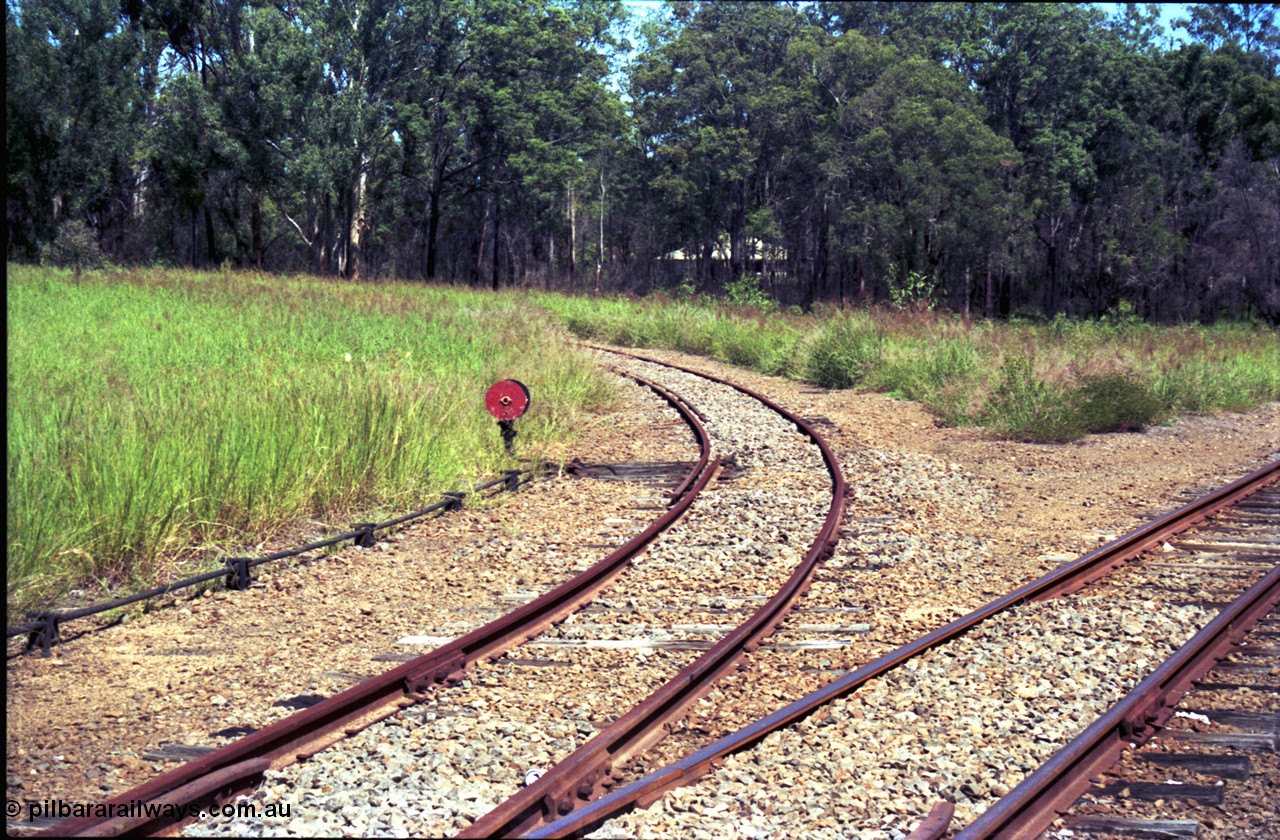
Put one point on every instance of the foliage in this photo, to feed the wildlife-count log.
(1026, 407)
(913, 290)
(1120, 402)
(75, 247)
(1026, 157)
(1087, 376)
(746, 291)
(844, 354)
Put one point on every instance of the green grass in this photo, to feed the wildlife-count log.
(157, 415)
(1048, 383)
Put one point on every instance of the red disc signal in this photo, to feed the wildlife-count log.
(507, 400)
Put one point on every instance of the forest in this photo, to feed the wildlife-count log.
(990, 159)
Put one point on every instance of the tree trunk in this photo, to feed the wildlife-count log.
(738, 256)
(433, 229)
(573, 239)
(497, 224)
(551, 256)
(326, 233)
(212, 256)
(342, 248)
(359, 224)
(477, 267)
(989, 306)
(257, 251)
(600, 242)
(821, 257)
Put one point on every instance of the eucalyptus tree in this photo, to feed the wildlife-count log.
(1250, 26)
(929, 179)
(842, 68)
(1223, 130)
(79, 85)
(431, 113)
(238, 83)
(714, 95)
(366, 48)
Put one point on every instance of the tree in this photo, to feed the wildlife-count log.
(930, 178)
(714, 94)
(1250, 26)
(79, 83)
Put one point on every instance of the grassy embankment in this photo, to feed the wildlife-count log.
(1037, 382)
(156, 416)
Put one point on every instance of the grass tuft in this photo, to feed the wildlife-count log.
(1046, 382)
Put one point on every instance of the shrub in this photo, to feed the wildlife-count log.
(1116, 402)
(75, 247)
(844, 354)
(1025, 407)
(912, 290)
(746, 291)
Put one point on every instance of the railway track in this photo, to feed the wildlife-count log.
(615, 655)
(445, 744)
(109, 712)
(964, 714)
(1231, 564)
(1203, 773)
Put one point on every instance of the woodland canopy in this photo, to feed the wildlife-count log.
(995, 159)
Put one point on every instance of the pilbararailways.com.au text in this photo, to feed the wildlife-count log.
(135, 808)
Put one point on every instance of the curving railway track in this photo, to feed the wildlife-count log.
(756, 523)
(604, 701)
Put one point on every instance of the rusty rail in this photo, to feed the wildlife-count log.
(1029, 808)
(310, 730)
(647, 790)
(589, 770)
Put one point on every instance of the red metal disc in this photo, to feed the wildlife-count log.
(507, 400)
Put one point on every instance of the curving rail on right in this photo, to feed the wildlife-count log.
(1065, 579)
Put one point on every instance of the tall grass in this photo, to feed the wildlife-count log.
(1047, 382)
(152, 414)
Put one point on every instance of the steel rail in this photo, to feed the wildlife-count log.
(589, 770)
(647, 790)
(310, 730)
(1042, 797)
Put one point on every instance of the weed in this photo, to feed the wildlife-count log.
(1116, 402)
(843, 354)
(746, 291)
(1025, 407)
